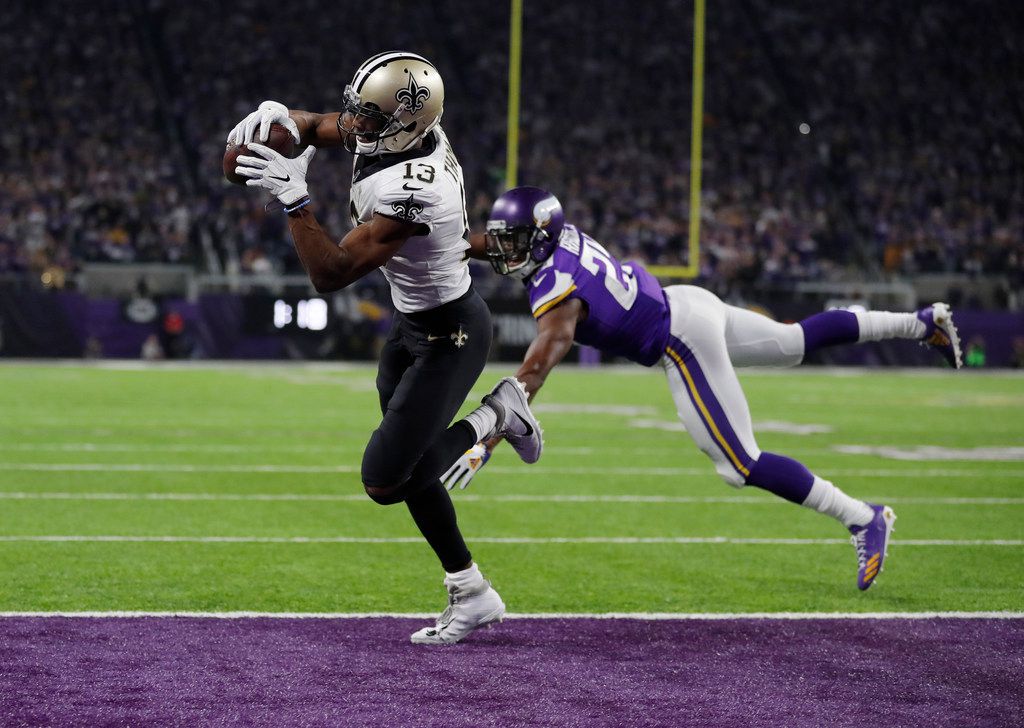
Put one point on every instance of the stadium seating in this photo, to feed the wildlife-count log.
(112, 147)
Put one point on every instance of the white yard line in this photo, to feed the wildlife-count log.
(165, 447)
(174, 468)
(496, 368)
(641, 616)
(475, 498)
(325, 449)
(617, 540)
(525, 470)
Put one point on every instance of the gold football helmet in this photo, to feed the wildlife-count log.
(394, 99)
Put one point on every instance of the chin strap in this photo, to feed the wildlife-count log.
(527, 270)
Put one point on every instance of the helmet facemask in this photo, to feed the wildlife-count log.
(382, 124)
(510, 250)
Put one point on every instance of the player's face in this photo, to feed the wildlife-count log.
(509, 250)
(362, 123)
(362, 126)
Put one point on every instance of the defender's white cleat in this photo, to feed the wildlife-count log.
(516, 422)
(940, 333)
(468, 609)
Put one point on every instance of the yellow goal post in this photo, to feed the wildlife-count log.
(692, 268)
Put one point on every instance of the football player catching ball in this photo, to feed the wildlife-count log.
(409, 219)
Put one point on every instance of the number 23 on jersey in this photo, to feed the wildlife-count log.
(619, 281)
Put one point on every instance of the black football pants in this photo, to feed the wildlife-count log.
(428, 365)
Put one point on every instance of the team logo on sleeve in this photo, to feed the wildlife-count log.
(413, 95)
(407, 209)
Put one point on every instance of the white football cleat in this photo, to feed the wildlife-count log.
(516, 422)
(467, 610)
(940, 333)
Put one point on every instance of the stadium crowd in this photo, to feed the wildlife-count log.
(884, 138)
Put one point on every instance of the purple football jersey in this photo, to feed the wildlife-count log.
(627, 313)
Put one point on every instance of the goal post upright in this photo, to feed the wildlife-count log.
(515, 50)
(692, 267)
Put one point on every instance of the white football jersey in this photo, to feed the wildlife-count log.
(422, 185)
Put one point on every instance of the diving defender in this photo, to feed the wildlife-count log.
(579, 292)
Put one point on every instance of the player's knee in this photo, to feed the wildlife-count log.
(724, 467)
(382, 480)
(730, 475)
(379, 482)
(384, 495)
(792, 345)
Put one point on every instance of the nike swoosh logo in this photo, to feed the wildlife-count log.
(431, 337)
(282, 179)
(529, 428)
(408, 188)
(539, 279)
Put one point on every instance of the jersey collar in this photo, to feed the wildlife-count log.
(366, 166)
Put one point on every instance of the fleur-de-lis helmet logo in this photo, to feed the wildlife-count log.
(413, 95)
(408, 208)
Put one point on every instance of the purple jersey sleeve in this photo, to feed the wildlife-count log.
(627, 314)
(552, 283)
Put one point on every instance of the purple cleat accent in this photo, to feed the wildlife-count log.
(872, 542)
(940, 333)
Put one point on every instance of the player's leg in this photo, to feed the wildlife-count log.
(756, 340)
(414, 438)
(711, 404)
(753, 339)
(432, 511)
(413, 446)
(394, 360)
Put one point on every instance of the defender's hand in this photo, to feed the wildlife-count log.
(466, 467)
(284, 178)
(269, 112)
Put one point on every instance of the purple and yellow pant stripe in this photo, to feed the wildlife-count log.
(708, 407)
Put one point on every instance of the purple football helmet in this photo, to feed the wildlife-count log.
(523, 230)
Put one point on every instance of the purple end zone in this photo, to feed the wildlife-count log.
(580, 672)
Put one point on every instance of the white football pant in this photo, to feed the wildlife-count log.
(708, 339)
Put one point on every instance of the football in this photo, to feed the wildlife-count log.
(280, 141)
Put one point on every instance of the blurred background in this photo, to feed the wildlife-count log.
(864, 154)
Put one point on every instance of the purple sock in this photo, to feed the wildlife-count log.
(782, 476)
(828, 329)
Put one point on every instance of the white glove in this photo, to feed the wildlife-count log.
(284, 178)
(269, 112)
(466, 467)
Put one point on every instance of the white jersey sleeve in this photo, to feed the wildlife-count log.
(411, 203)
(423, 186)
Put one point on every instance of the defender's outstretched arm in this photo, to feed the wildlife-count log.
(477, 246)
(556, 330)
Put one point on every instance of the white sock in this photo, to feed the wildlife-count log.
(828, 499)
(483, 420)
(879, 325)
(466, 579)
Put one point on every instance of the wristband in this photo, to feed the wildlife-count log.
(298, 205)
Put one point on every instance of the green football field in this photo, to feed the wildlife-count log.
(236, 488)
